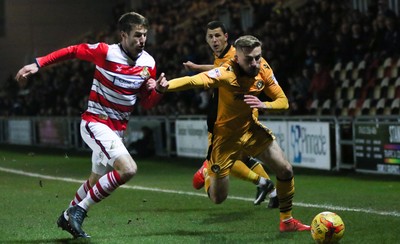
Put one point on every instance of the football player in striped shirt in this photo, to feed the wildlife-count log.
(124, 74)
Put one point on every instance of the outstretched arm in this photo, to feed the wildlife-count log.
(95, 53)
(25, 72)
(197, 67)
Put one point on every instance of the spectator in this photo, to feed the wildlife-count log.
(298, 93)
(321, 86)
(145, 146)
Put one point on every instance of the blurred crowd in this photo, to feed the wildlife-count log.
(301, 44)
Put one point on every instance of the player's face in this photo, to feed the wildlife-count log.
(135, 40)
(249, 60)
(217, 40)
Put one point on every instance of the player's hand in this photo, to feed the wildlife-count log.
(151, 84)
(189, 66)
(254, 102)
(25, 72)
(161, 84)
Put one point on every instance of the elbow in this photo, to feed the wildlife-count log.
(287, 104)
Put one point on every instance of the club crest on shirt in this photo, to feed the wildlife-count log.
(215, 168)
(229, 68)
(259, 84)
(145, 74)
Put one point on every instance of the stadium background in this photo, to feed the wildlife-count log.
(338, 62)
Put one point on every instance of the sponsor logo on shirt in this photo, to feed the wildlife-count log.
(127, 83)
(214, 73)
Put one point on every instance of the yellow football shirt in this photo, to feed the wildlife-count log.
(233, 112)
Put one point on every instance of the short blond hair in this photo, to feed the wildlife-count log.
(247, 41)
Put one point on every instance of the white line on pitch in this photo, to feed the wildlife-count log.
(306, 205)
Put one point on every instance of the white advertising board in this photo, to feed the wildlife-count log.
(20, 132)
(305, 144)
(191, 138)
(309, 144)
(280, 130)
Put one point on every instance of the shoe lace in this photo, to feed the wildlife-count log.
(80, 215)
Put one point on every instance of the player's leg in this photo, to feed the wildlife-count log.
(124, 169)
(251, 170)
(242, 171)
(80, 194)
(198, 177)
(84, 189)
(277, 162)
(110, 159)
(218, 188)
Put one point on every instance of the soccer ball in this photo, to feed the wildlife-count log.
(327, 227)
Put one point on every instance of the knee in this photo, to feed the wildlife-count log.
(127, 169)
(93, 178)
(286, 172)
(128, 172)
(217, 200)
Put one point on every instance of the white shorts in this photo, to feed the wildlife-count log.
(105, 144)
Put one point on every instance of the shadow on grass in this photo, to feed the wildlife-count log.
(216, 236)
(61, 241)
(228, 217)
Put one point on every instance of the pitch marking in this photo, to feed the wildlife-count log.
(301, 204)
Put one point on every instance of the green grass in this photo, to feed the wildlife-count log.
(30, 206)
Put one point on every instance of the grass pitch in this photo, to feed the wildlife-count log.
(160, 206)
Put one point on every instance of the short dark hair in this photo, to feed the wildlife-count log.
(247, 41)
(216, 24)
(127, 20)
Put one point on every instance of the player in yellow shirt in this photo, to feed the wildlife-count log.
(250, 169)
(237, 133)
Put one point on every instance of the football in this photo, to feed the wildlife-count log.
(327, 227)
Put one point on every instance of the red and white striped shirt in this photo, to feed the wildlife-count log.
(117, 82)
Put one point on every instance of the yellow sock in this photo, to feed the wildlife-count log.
(206, 180)
(259, 169)
(241, 171)
(285, 190)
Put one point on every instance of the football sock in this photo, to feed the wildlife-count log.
(102, 189)
(80, 193)
(255, 166)
(285, 190)
(241, 171)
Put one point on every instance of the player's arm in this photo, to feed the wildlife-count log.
(275, 92)
(26, 71)
(208, 79)
(151, 97)
(184, 83)
(94, 53)
(279, 99)
(197, 67)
